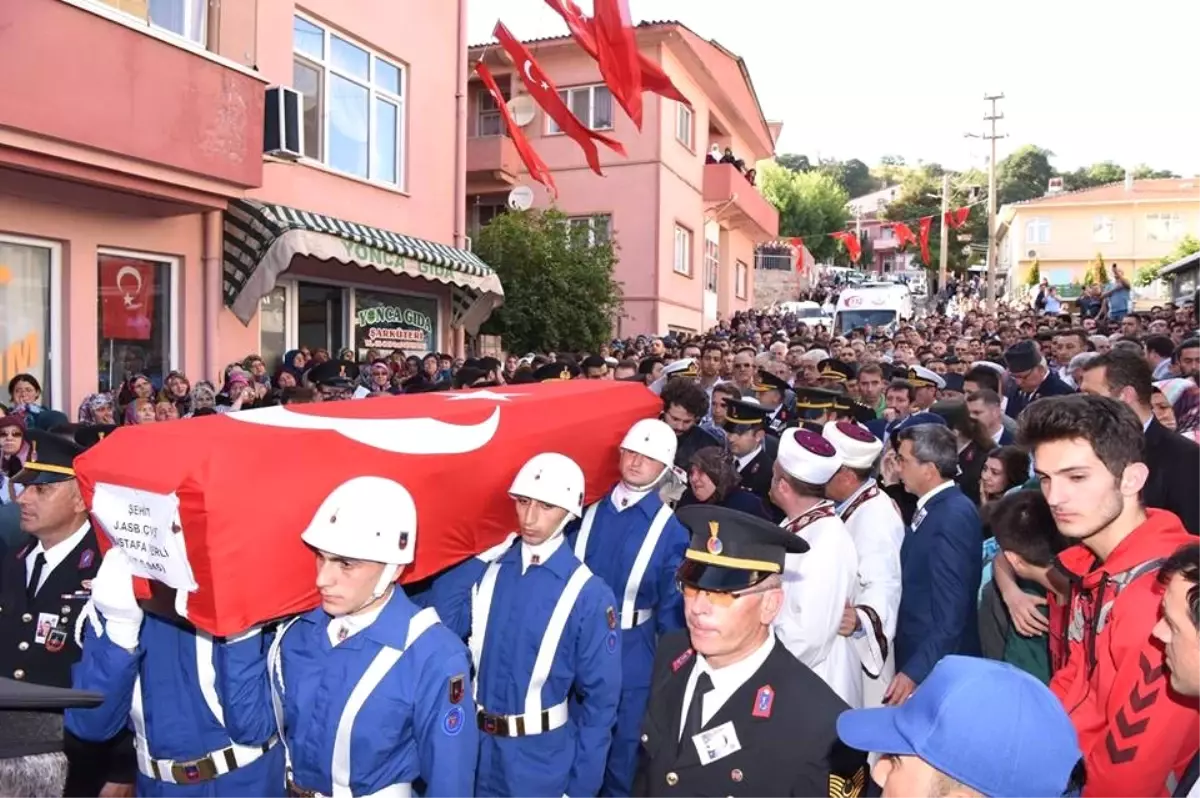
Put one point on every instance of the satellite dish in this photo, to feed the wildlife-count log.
(520, 198)
(521, 108)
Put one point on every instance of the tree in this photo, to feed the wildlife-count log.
(811, 205)
(1188, 245)
(1034, 276)
(1024, 175)
(866, 259)
(794, 162)
(856, 178)
(559, 291)
(1096, 273)
(1144, 172)
(920, 195)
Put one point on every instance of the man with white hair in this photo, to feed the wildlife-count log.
(818, 586)
(810, 368)
(877, 529)
(631, 539)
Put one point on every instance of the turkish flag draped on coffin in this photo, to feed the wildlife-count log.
(248, 483)
(126, 298)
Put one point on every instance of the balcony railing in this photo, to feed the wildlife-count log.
(779, 261)
(741, 203)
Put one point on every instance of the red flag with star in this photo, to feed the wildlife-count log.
(654, 80)
(852, 244)
(924, 224)
(533, 162)
(545, 94)
(617, 53)
(247, 570)
(956, 218)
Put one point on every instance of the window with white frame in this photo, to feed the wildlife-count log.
(592, 105)
(136, 321)
(741, 276)
(29, 303)
(712, 263)
(186, 18)
(683, 251)
(1164, 226)
(1102, 230)
(1037, 231)
(488, 121)
(354, 104)
(684, 125)
(590, 230)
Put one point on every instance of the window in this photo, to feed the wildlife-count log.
(593, 105)
(487, 117)
(25, 308)
(482, 215)
(136, 318)
(886, 234)
(683, 251)
(353, 104)
(1163, 226)
(590, 230)
(712, 262)
(272, 326)
(1102, 230)
(741, 275)
(1037, 231)
(186, 18)
(683, 125)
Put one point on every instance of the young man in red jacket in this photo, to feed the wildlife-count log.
(1137, 735)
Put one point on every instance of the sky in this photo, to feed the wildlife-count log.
(1090, 81)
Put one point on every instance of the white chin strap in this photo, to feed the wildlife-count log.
(386, 578)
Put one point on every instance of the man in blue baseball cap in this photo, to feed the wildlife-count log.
(975, 727)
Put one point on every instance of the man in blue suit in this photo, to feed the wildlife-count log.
(941, 560)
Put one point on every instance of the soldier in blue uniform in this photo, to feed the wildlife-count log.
(544, 642)
(632, 541)
(368, 690)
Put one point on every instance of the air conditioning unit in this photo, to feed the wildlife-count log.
(283, 128)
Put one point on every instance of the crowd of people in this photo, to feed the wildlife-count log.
(954, 557)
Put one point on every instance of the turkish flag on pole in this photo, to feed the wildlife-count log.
(851, 242)
(454, 452)
(904, 234)
(654, 80)
(957, 218)
(924, 224)
(545, 93)
(126, 298)
(533, 162)
(617, 53)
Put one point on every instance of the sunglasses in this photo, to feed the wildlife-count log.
(720, 598)
(14, 434)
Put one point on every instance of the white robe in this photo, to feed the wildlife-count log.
(878, 533)
(817, 586)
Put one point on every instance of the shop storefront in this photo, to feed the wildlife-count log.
(290, 267)
(30, 272)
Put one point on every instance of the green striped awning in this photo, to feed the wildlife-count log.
(261, 239)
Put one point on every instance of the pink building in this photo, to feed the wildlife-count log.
(143, 229)
(686, 230)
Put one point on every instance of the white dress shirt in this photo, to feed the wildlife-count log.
(923, 500)
(543, 551)
(817, 586)
(746, 459)
(726, 682)
(623, 497)
(54, 555)
(349, 625)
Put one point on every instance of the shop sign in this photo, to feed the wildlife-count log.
(389, 323)
(365, 253)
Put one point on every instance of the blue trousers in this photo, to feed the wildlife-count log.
(627, 740)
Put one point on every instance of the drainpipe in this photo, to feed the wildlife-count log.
(211, 266)
(460, 153)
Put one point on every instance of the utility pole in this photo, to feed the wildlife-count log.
(991, 118)
(944, 255)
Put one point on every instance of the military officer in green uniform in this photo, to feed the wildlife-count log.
(731, 711)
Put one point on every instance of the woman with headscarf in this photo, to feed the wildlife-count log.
(204, 397)
(379, 377)
(14, 449)
(138, 386)
(140, 411)
(713, 479)
(177, 389)
(97, 408)
(1182, 397)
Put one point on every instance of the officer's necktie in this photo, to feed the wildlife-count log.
(694, 722)
(35, 579)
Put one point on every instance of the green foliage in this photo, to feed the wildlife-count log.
(1035, 274)
(1024, 174)
(1096, 273)
(1188, 245)
(559, 291)
(794, 162)
(853, 176)
(920, 195)
(810, 204)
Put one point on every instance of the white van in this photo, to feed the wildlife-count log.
(877, 305)
(810, 313)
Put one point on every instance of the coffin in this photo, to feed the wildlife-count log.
(214, 507)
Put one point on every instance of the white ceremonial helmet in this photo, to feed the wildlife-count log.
(366, 518)
(551, 478)
(652, 438)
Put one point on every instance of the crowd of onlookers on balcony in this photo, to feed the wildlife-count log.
(716, 156)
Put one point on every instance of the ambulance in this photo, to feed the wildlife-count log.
(881, 306)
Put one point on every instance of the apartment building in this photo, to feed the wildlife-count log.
(144, 229)
(686, 230)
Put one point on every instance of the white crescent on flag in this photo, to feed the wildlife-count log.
(395, 435)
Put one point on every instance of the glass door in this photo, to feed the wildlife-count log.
(320, 317)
